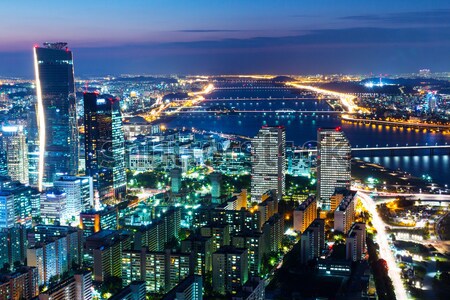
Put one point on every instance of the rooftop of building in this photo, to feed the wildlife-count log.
(356, 226)
(106, 210)
(343, 191)
(123, 293)
(230, 250)
(182, 286)
(71, 178)
(273, 219)
(345, 202)
(306, 203)
(102, 235)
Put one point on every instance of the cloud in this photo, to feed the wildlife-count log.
(347, 37)
(207, 30)
(439, 17)
(348, 50)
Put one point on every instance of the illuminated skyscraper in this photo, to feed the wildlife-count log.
(79, 192)
(333, 163)
(14, 145)
(268, 162)
(104, 146)
(56, 112)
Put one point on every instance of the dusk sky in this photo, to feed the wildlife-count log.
(228, 36)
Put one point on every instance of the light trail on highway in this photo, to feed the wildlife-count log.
(346, 99)
(197, 97)
(385, 251)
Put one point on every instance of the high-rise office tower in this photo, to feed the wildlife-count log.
(23, 196)
(79, 193)
(15, 146)
(333, 163)
(54, 206)
(56, 113)
(92, 221)
(268, 162)
(104, 146)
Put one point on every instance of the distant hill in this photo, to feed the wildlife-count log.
(282, 79)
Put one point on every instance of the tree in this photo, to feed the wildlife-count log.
(112, 285)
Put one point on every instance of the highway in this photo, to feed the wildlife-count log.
(384, 247)
(195, 98)
(347, 101)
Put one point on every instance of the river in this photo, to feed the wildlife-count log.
(302, 128)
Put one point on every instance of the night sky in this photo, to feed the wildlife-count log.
(228, 36)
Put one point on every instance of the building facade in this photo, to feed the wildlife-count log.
(104, 146)
(268, 162)
(333, 163)
(56, 113)
(15, 146)
(305, 214)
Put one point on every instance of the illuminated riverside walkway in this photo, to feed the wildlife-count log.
(397, 123)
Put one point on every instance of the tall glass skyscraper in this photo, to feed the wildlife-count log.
(268, 162)
(56, 113)
(333, 163)
(104, 146)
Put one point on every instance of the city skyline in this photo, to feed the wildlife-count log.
(241, 150)
(214, 37)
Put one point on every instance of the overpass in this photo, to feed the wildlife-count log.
(409, 196)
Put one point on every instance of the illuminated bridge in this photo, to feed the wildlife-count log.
(263, 99)
(254, 87)
(392, 150)
(233, 111)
